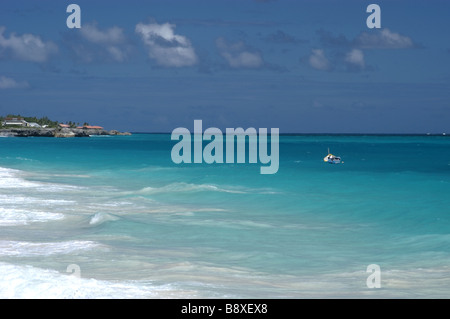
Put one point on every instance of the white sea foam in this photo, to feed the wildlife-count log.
(191, 188)
(15, 217)
(187, 187)
(25, 159)
(14, 179)
(54, 188)
(15, 200)
(100, 218)
(9, 178)
(18, 206)
(29, 249)
(18, 281)
(26, 282)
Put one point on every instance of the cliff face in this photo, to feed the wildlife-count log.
(56, 132)
(25, 132)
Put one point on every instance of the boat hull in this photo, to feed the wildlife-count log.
(330, 158)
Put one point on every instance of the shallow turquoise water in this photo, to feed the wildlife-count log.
(138, 225)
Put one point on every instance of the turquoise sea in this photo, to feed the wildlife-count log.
(114, 217)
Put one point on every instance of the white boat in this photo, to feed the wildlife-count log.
(332, 159)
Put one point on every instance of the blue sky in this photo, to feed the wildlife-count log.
(300, 66)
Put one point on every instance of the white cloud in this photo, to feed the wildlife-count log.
(8, 83)
(385, 39)
(318, 60)
(166, 47)
(110, 43)
(355, 58)
(238, 55)
(26, 47)
(349, 54)
(113, 35)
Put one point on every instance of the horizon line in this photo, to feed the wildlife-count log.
(348, 134)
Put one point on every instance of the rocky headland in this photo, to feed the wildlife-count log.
(56, 132)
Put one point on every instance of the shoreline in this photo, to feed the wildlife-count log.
(57, 132)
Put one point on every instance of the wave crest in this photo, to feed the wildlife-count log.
(28, 249)
(100, 218)
(187, 187)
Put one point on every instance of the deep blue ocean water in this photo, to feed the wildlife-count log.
(135, 225)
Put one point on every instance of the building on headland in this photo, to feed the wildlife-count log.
(14, 121)
(32, 124)
(64, 125)
(91, 127)
(18, 121)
